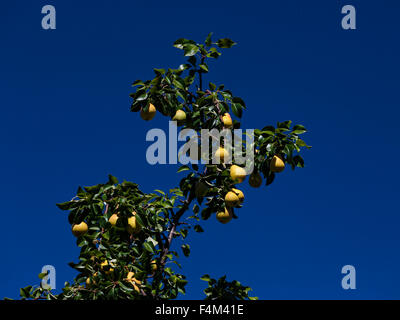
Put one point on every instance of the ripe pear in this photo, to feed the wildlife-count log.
(227, 120)
(130, 277)
(149, 114)
(224, 216)
(113, 219)
(238, 174)
(106, 267)
(255, 180)
(133, 227)
(231, 199)
(153, 265)
(89, 280)
(221, 154)
(277, 164)
(80, 229)
(239, 194)
(180, 117)
(133, 281)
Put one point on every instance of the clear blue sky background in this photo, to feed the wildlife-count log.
(65, 122)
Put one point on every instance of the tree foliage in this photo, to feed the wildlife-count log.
(133, 256)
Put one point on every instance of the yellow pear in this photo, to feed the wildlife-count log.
(80, 229)
(224, 216)
(255, 180)
(227, 120)
(231, 199)
(180, 116)
(153, 266)
(133, 226)
(136, 287)
(239, 194)
(89, 281)
(277, 164)
(238, 174)
(106, 267)
(221, 154)
(149, 114)
(113, 219)
(130, 277)
(133, 281)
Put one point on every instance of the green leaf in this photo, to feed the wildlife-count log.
(179, 43)
(139, 220)
(179, 84)
(137, 83)
(148, 247)
(269, 129)
(299, 129)
(301, 143)
(124, 287)
(142, 97)
(64, 205)
(184, 233)
(190, 49)
(159, 71)
(208, 40)
(225, 43)
(192, 60)
(237, 109)
(226, 95)
(151, 240)
(205, 213)
(198, 228)
(184, 67)
(42, 275)
(204, 67)
(112, 179)
(298, 160)
(284, 125)
(25, 292)
(183, 168)
(205, 277)
(186, 250)
(239, 101)
(80, 192)
(213, 53)
(270, 178)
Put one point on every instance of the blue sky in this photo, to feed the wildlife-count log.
(65, 122)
